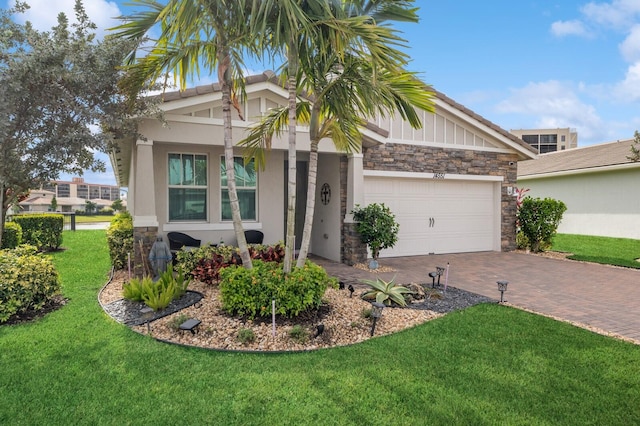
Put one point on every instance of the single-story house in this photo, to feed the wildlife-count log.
(598, 183)
(451, 184)
(39, 200)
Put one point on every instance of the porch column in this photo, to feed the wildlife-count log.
(353, 250)
(355, 185)
(145, 219)
(145, 194)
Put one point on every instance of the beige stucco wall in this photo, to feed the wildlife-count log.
(326, 234)
(270, 197)
(600, 204)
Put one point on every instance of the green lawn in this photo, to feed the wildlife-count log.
(610, 251)
(490, 364)
(92, 219)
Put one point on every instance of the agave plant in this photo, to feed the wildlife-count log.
(385, 292)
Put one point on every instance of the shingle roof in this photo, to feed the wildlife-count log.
(589, 158)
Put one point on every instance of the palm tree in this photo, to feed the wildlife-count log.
(285, 25)
(343, 96)
(347, 83)
(212, 34)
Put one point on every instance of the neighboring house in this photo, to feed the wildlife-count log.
(39, 200)
(598, 183)
(450, 184)
(548, 140)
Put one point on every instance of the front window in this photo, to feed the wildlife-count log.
(246, 187)
(187, 187)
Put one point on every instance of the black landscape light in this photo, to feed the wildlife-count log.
(376, 312)
(502, 287)
(351, 290)
(147, 314)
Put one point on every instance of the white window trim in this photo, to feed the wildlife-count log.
(206, 188)
(222, 159)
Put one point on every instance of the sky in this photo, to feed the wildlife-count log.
(520, 64)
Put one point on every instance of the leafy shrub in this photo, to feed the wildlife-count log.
(177, 320)
(205, 263)
(298, 334)
(377, 227)
(522, 242)
(250, 292)
(120, 239)
(156, 295)
(12, 235)
(134, 289)
(385, 292)
(539, 220)
(246, 335)
(41, 230)
(28, 281)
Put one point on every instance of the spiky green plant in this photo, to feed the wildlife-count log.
(385, 292)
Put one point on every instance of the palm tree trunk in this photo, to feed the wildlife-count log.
(311, 203)
(314, 134)
(290, 238)
(230, 166)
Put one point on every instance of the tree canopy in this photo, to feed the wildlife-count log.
(60, 100)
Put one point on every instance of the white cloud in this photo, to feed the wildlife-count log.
(555, 104)
(630, 47)
(43, 14)
(629, 89)
(618, 14)
(565, 28)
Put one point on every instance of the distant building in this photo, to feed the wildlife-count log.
(548, 140)
(70, 196)
(78, 188)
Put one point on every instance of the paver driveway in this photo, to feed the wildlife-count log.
(601, 296)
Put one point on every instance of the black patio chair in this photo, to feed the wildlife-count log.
(177, 240)
(253, 236)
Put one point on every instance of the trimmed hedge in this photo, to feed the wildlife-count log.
(41, 230)
(539, 220)
(12, 235)
(249, 292)
(120, 239)
(28, 281)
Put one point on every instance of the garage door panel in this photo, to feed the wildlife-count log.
(437, 216)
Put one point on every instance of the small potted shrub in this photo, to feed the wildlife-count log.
(377, 227)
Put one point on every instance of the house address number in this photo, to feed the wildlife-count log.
(438, 175)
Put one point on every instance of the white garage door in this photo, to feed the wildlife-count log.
(438, 216)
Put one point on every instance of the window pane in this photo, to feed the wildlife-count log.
(187, 169)
(247, 201)
(187, 204)
(201, 170)
(250, 174)
(174, 169)
(223, 172)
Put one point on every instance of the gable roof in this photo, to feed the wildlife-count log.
(579, 160)
(121, 154)
(442, 100)
(513, 138)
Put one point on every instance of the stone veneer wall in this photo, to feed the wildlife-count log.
(352, 249)
(423, 159)
(146, 234)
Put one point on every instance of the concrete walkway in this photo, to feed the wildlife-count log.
(599, 296)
